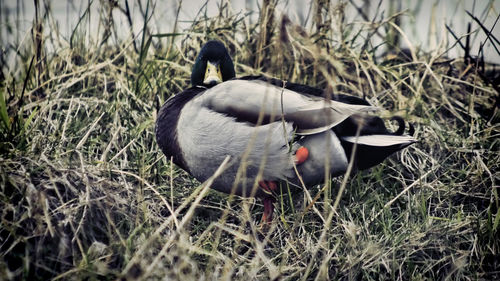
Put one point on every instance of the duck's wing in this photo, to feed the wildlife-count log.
(260, 102)
(307, 90)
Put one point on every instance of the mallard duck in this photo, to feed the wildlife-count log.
(267, 127)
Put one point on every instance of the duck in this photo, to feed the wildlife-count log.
(273, 131)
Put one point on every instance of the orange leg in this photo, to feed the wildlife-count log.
(268, 187)
(267, 216)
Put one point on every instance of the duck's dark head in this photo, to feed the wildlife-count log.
(213, 65)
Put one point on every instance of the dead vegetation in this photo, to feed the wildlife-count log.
(86, 193)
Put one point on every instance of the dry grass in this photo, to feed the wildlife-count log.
(86, 193)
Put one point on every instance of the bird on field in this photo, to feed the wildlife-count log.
(273, 131)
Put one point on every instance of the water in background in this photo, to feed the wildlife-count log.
(424, 23)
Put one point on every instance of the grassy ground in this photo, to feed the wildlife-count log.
(87, 194)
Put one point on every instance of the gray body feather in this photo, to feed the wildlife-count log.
(208, 137)
(210, 128)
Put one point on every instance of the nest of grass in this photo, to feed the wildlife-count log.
(87, 194)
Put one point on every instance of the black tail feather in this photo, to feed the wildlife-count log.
(401, 124)
(411, 130)
(368, 156)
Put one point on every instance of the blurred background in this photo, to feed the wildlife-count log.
(428, 24)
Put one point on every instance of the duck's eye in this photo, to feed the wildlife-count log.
(219, 73)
